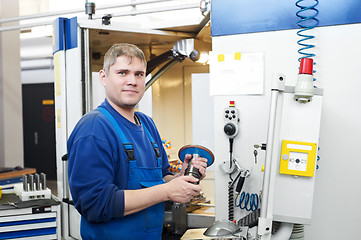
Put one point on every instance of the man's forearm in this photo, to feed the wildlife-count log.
(137, 200)
(177, 189)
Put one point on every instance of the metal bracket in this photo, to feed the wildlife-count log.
(264, 226)
(278, 82)
(106, 19)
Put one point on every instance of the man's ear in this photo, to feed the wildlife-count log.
(102, 77)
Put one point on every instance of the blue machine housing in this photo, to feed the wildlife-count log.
(65, 34)
(245, 16)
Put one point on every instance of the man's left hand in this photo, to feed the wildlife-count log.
(199, 162)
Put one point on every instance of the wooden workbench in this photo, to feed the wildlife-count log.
(12, 172)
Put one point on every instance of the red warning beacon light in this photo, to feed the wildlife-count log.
(304, 85)
(306, 66)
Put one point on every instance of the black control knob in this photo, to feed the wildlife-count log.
(230, 129)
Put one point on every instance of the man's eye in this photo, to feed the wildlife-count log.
(139, 74)
(121, 73)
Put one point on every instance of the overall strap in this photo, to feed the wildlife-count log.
(154, 144)
(128, 147)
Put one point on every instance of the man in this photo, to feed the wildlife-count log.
(118, 169)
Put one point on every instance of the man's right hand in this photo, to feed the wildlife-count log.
(182, 189)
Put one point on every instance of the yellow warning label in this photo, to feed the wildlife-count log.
(48, 102)
(220, 57)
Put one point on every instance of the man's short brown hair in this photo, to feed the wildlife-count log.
(122, 49)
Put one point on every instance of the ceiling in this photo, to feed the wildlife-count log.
(152, 42)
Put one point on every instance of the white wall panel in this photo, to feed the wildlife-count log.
(334, 216)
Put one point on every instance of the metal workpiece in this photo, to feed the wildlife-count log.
(191, 170)
(31, 182)
(195, 151)
(34, 182)
(25, 183)
(43, 181)
(31, 189)
(37, 181)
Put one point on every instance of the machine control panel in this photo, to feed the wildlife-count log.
(231, 114)
(231, 118)
(298, 158)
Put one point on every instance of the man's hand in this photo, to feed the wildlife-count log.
(178, 188)
(181, 189)
(200, 163)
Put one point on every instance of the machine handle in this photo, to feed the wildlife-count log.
(240, 184)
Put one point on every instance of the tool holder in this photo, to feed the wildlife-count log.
(31, 195)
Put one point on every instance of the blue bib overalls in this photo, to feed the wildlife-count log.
(146, 224)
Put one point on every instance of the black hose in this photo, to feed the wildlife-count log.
(230, 203)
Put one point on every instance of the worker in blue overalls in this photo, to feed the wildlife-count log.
(118, 168)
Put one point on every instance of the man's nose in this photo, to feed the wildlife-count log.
(131, 80)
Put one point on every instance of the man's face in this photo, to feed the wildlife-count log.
(125, 82)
